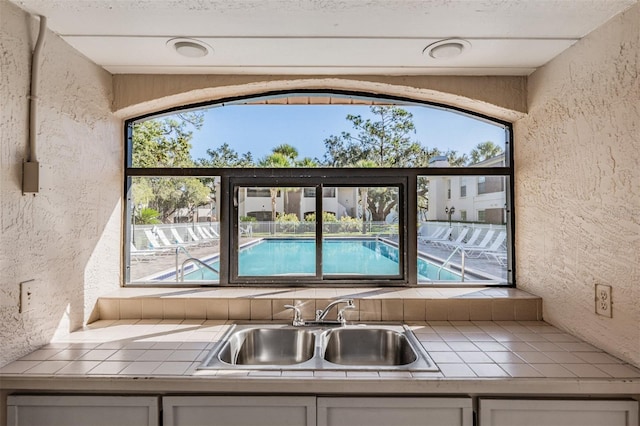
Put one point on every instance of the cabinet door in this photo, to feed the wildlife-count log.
(68, 410)
(239, 410)
(501, 412)
(374, 411)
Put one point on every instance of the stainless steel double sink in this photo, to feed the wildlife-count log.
(351, 347)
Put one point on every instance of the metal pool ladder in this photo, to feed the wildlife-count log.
(446, 262)
(180, 267)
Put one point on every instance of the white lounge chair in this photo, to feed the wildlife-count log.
(483, 244)
(435, 234)
(141, 255)
(193, 235)
(247, 231)
(471, 241)
(155, 244)
(204, 233)
(494, 248)
(214, 232)
(195, 239)
(443, 237)
(153, 240)
(179, 240)
(457, 241)
(165, 241)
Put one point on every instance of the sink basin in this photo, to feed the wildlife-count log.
(274, 346)
(368, 346)
(268, 346)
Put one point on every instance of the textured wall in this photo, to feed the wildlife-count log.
(578, 186)
(496, 96)
(67, 238)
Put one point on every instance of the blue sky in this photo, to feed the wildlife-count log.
(259, 128)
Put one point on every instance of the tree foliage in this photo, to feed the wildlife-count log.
(483, 151)
(385, 140)
(226, 157)
(167, 143)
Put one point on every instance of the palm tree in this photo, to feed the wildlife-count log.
(364, 192)
(288, 151)
(275, 160)
(484, 151)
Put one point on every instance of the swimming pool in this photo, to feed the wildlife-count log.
(272, 257)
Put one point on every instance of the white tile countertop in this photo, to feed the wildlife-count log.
(473, 356)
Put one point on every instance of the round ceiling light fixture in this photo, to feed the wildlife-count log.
(447, 49)
(189, 47)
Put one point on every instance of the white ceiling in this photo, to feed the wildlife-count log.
(507, 37)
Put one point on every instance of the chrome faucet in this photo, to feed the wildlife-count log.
(297, 315)
(321, 314)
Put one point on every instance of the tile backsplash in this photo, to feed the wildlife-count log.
(475, 304)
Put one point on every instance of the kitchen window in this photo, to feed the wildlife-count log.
(366, 208)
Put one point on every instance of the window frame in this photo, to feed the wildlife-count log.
(408, 231)
(230, 269)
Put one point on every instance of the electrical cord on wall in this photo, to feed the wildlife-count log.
(31, 167)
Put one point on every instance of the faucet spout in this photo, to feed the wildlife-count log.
(321, 314)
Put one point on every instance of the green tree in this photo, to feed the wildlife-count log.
(381, 142)
(287, 151)
(167, 143)
(226, 157)
(148, 216)
(483, 151)
(283, 156)
(386, 140)
(274, 160)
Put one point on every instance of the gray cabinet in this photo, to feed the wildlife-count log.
(69, 410)
(239, 410)
(374, 411)
(532, 412)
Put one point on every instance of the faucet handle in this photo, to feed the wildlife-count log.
(297, 315)
(349, 305)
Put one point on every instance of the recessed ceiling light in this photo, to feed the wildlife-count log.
(446, 49)
(189, 47)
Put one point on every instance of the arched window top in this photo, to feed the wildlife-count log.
(312, 129)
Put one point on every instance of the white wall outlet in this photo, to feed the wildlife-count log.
(27, 296)
(603, 300)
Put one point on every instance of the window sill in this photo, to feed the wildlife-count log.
(372, 304)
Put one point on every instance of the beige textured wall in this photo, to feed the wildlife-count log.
(578, 186)
(500, 97)
(67, 238)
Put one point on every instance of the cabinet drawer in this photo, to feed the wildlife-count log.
(376, 411)
(239, 410)
(532, 412)
(70, 410)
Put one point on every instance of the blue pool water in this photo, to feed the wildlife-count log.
(271, 257)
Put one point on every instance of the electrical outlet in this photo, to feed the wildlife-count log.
(27, 295)
(603, 300)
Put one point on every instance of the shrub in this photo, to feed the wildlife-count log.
(287, 222)
(350, 224)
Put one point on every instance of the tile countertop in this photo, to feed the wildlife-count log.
(515, 357)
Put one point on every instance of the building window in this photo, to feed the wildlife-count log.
(326, 192)
(490, 184)
(259, 193)
(198, 207)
